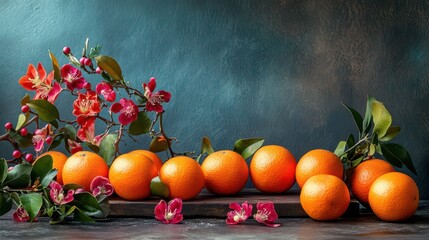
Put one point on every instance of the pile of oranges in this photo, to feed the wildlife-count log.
(325, 196)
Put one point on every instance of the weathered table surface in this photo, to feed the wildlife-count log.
(364, 226)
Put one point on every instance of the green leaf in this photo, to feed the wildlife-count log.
(94, 51)
(22, 119)
(47, 111)
(5, 203)
(70, 132)
(32, 203)
(19, 176)
(356, 116)
(3, 170)
(381, 117)
(366, 125)
(87, 203)
(206, 146)
(54, 124)
(357, 161)
(107, 148)
(158, 144)
(49, 177)
(372, 149)
(23, 142)
(56, 67)
(351, 141)
(397, 155)
(57, 141)
(110, 65)
(248, 146)
(72, 186)
(341, 147)
(41, 167)
(141, 125)
(158, 188)
(25, 99)
(80, 216)
(391, 133)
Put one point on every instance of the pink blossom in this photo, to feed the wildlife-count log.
(106, 90)
(169, 213)
(128, 111)
(155, 99)
(57, 194)
(72, 77)
(266, 214)
(86, 132)
(39, 137)
(74, 146)
(101, 186)
(239, 213)
(20, 215)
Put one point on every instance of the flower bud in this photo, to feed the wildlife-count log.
(8, 126)
(66, 50)
(16, 154)
(82, 60)
(24, 132)
(29, 157)
(87, 86)
(25, 108)
(87, 61)
(98, 70)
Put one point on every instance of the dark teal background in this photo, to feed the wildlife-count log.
(273, 69)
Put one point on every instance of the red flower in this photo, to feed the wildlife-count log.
(86, 105)
(20, 215)
(72, 77)
(154, 100)
(169, 213)
(86, 132)
(58, 195)
(128, 111)
(106, 90)
(239, 213)
(266, 214)
(37, 80)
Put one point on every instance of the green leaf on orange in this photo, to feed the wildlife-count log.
(32, 203)
(341, 147)
(49, 177)
(397, 155)
(110, 65)
(141, 125)
(381, 118)
(246, 147)
(107, 148)
(47, 111)
(41, 167)
(158, 188)
(56, 67)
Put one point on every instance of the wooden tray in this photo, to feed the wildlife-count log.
(207, 205)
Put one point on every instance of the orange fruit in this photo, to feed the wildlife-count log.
(364, 175)
(151, 155)
(272, 169)
(58, 161)
(82, 167)
(394, 197)
(325, 197)
(131, 174)
(183, 176)
(318, 161)
(226, 172)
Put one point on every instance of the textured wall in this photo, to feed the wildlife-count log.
(276, 69)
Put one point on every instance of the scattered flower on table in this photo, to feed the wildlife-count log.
(169, 213)
(266, 214)
(20, 215)
(239, 213)
(101, 186)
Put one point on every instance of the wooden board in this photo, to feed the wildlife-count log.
(207, 205)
